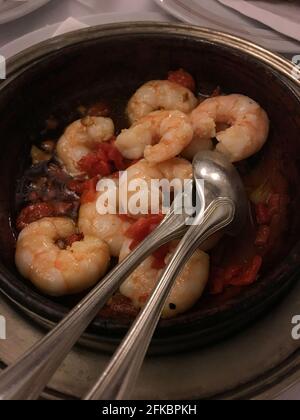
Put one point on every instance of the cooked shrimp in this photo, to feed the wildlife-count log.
(159, 136)
(143, 172)
(186, 292)
(109, 228)
(57, 271)
(80, 138)
(176, 168)
(157, 95)
(248, 125)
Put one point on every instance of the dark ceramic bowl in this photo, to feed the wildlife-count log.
(112, 61)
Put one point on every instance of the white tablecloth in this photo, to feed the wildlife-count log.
(59, 10)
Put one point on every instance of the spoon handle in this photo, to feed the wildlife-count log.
(118, 379)
(26, 379)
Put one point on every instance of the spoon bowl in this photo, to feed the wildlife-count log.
(221, 180)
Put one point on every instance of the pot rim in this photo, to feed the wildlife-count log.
(273, 60)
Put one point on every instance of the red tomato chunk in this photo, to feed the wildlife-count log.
(160, 257)
(183, 78)
(77, 237)
(104, 161)
(249, 274)
(263, 236)
(89, 192)
(38, 211)
(236, 275)
(274, 204)
(140, 230)
(33, 213)
(263, 216)
(266, 211)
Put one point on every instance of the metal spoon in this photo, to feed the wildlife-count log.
(226, 207)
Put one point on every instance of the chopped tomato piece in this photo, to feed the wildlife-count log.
(236, 275)
(249, 276)
(233, 271)
(142, 228)
(221, 277)
(183, 78)
(160, 257)
(263, 236)
(263, 216)
(114, 155)
(38, 211)
(95, 163)
(89, 194)
(77, 237)
(33, 213)
(76, 186)
(266, 211)
(103, 161)
(274, 204)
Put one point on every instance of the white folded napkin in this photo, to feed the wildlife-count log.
(281, 15)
